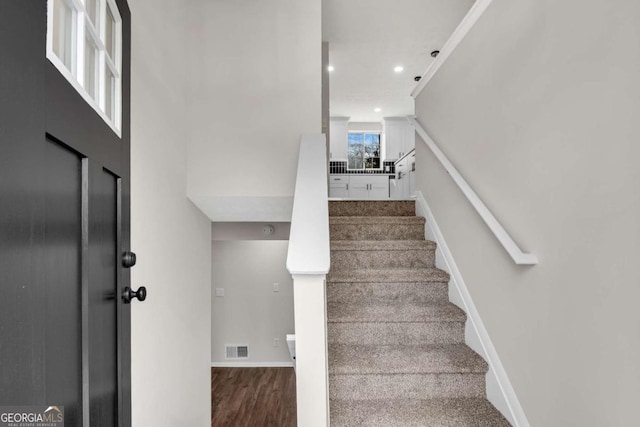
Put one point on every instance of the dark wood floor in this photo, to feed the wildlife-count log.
(253, 397)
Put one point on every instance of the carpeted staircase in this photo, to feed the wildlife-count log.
(396, 344)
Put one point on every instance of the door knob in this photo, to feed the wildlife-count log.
(128, 259)
(128, 294)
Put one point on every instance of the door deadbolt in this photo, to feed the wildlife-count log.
(128, 259)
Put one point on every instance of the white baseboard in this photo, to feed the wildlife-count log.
(252, 364)
(499, 390)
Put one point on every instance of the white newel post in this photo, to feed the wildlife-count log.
(312, 382)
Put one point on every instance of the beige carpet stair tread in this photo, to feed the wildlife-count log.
(376, 228)
(338, 312)
(373, 293)
(375, 220)
(392, 275)
(406, 386)
(461, 412)
(382, 245)
(372, 207)
(382, 254)
(398, 333)
(396, 344)
(404, 359)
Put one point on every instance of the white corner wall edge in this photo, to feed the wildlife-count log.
(252, 364)
(457, 36)
(500, 392)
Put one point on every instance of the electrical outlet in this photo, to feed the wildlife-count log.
(220, 292)
(276, 342)
(276, 287)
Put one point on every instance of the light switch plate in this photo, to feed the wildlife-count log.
(276, 287)
(220, 292)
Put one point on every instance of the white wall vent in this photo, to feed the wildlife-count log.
(237, 352)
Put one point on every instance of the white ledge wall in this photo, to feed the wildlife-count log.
(309, 252)
(308, 261)
(256, 88)
(545, 130)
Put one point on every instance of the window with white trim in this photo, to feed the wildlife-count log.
(363, 150)
(84, 42)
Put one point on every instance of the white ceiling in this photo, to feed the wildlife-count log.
(368, 38)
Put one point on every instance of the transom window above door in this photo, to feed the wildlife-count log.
(84, 42)
(363, 150)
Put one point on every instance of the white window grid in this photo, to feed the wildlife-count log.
(82, 29)
(364, 168)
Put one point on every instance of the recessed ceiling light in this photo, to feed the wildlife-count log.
(330, 68)
(377, 109)
(399, 69)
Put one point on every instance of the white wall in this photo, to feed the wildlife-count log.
(251, 313)
(365, 126)
(249, 231)
(256, 82)
(538, 109)
(171, 329)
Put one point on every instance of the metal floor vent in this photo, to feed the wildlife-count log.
(237, 351)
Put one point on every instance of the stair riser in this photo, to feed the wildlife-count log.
(348, 260)
(371, 293)
(396, 333)
(406, 386)
(413, 231)
(372, 208)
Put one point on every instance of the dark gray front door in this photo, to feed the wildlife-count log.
(64, 225)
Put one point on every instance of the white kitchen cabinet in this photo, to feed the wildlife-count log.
(366, 187)
(399, 137)
(412, 175)
(359, 191)
(394, 190)
(359, 187)
(339, 191)
(338, 132)
(393, 138)
(339, 186)
(379, 187)
(403, 168)
(408, 138)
